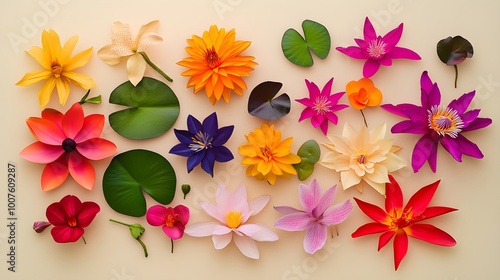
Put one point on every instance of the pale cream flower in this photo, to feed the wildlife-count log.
(364, 156)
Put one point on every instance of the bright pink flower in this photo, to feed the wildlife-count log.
(378, 50)
(316, 215)
(321, 105)
(69, 217)
(66, 143)
(171, 220)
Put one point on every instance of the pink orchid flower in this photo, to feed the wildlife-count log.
(172, 220)
(378, 50)
(316, 215)
(232, 213)
(66, 143)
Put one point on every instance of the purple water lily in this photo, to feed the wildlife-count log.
(316, 215)
(438, 124)
(378, 50)
(203, 143)
(321, 105)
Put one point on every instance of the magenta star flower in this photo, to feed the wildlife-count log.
(438, 124)
(321, 105)
(378, 50)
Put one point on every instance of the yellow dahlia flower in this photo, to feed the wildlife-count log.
(215, 64)
(266, 155)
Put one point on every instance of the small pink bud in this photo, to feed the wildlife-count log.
(40, 226)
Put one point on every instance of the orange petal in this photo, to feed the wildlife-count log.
(41, 153)
(81, 170)
(73, 121)
(92, 128)
(46, 131)
(54, 174)
(96, 148)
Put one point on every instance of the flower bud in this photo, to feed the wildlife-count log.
(40, 226)
(186, 188)
(136, 230)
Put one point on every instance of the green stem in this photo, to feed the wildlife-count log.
(172, 243)
(143, 247)
(145, 56)
(118, 222)
(364, 119)
(456, 74)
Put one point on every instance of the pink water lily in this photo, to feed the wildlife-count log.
(66, 143)
(316, 216)
(378, 50)
(232, 212)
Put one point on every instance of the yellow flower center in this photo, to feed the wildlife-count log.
(56, 70)
(362, 159)
(376, 48)
(401, 220)
(170, 221)
(233, 219)
(212, 58)
(72, 222)
(445, 121)
(266, 152)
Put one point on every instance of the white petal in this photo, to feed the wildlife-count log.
(108, 56)
(349, 179)
(221, 230)
(380, 174)
(213, 211)
(256, 205)
(378, 133)
(249, 229)
(264, 234)
(201, 229)
(136, 66)
(221, 241)
(393, 162)
(121, 39)
(247, 246)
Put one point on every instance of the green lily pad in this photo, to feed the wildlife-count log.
(153, 109)
(298, 50)
(309, 154)
(132, 172)
(262, 103)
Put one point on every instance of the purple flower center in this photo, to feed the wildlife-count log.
(201, 141)
(69, 145)
(321, 105)
(376, 48)
(445, 121)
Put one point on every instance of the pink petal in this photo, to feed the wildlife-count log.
(72, 122)
(182, 214)
(421, 199)
(236, 201)
(264, 234)
(221, 241)
(54, 174)
(324, 126)
(392, 37)
(307, 113)
(352, 51)
(309, 196)
(385, 238)
(66, 234)
(337, 214)
(201, 229)
(81, 170)
(221, 230)
(332, 117)
(394, 195)
(324, 202)
(96, 148)
(430, 234)
(54, 116)
(327, 89)
(87, 212)
(400, 247)
(156, 215)
(370, 228)
(249, 229)
(374, 212)
(92, 128)
(368, 30)
(247, 246)
(306, 102)
(315, 238)
(370, 67)
(313, 89)
(213, 211)
(41, 153)
(46, 131)
(256, 205)
(294, 222)
(285, 210)
(174, 232)
(403, 53)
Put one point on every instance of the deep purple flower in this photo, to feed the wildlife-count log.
(203, 143)
(321, 105)
(438, 124)
(378, 50)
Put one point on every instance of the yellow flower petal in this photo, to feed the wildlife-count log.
(136, 66)
(81, 80)
(33, 77)
(78, 60)
(62, 86)
(67, 50)
(46, 91)
(39, 55)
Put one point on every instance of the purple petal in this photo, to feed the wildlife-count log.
(222, 154)
(315, 238)
(183, 136)
(403, 53)
(468, 147)
(305, 101)
(210, 124)
(306, 113)
(451, 145)
(194, 125)
(285, 210)
(425, 82)
(469, 117)
(327, 89)
(313, 89)
(368, 30)
(195, 159)
(410, 127)
(352, 51)
(207, 162)
(392, 38)
(478, 123)
(462, 103)
(431, 98)
(294, 222)
(337, 213)
(370, 68)
(422, 151)
(325, 201)
(181, 149)
(309, 196)
(222, 135)
(400, 110)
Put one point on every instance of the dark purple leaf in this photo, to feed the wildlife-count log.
(262, 105)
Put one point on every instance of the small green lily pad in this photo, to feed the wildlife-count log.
(298, 50)
(153, 109)
(132, 172)
(309, 154)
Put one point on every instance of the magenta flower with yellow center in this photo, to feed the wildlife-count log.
(58, 68)
(66, 144)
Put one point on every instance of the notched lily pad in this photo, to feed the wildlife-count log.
(262, 105)
(453, 51)
(153, 109)
(309, 154)
(132, 172)
(297, 49)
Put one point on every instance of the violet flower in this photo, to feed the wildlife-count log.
(438, 124)
(321, 105)
(316, 215)
(203, 143)
(378, 50)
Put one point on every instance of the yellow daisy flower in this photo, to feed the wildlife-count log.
(266, 155)
(58, 65)
(215, 64)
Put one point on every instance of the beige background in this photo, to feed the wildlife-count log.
(110, 252)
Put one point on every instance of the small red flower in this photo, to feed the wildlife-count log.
(69, 217)
(403, 222)
(172, 220)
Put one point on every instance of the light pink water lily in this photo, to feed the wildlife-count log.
(316, 216)
(232, 212)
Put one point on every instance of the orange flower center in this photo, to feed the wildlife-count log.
(266, 152)
(362, 159)
(200, 141)
(233, 219)
(401, 220)
(321, 105)
(376, 48)
(445, 121)
(56, 70)
(170, 221)
(72, 222)
(212, 58)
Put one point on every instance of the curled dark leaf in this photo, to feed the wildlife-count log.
(262, 103)
(453, 51)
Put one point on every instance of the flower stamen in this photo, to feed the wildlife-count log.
(376, 48)
(321, 105)
(72, 222)
(445, 121)
(170, 221)
(200, 141)
(266, 152)
(212, 58)
(233, 219)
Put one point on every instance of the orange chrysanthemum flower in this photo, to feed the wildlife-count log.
(266, 155)
(216, 65)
